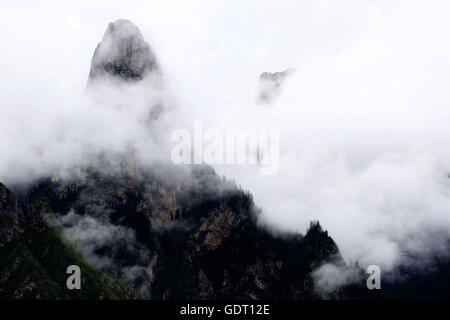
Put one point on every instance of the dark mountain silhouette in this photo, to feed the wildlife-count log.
(200, 236)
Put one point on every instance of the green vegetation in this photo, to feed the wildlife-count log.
(33, 263)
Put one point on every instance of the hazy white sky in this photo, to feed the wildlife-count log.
(363, 123)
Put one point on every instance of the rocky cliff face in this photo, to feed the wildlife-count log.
(122, 54)
(181, 239)
(124, 66)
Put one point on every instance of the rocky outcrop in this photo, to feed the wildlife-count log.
(122, 54)
(270, 85)
(123, 66)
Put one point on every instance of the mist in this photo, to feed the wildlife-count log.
(363, 122)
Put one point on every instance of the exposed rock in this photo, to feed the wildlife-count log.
(150, 273)
(122, 54)
(216, 228)
(270, 85)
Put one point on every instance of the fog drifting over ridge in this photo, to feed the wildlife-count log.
(363, 122)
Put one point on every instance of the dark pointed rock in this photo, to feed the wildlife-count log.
(122, 54)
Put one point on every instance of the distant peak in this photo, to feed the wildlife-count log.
(123, 53)
(270, 84)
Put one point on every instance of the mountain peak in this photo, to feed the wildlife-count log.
(270, 84)
(123, 53)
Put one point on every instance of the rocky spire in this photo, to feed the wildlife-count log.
(122, 54)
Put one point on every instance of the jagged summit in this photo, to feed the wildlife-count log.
(123, 53)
